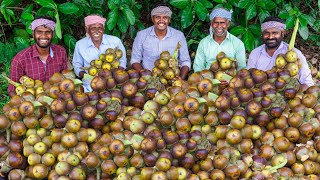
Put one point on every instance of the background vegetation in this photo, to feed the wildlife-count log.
(126, 17)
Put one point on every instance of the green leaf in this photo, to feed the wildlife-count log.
(237, 30)
(47, 3)
(290, 22)
(304, 32)
(226, 77)
(97, 3)
(243, 4)
(192, 41)
(82, 3)
(58, 26)
(248, 40)
(318, 4)
(251, 11)
(122, 23)
(68, 8)
(310, 20)
(263, 14)
(70, 41)
(128, 14)
(21, 42)
(186, 17)
(303, 21)
(278, 1)
(283, 14)
(201, 11)
(87, 77)
(113, 4)
(180, 4)
(21, 33)
(5, 3)
(10, 12)
(28, 8)
(27, 16)
(269, 5)
(255, 29)
(112, 18)
(207, 4)
(219, 1)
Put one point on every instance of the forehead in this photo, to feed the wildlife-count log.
(272, 30)
(161, 15)
(219, 19)
(43, 28)
(95, 25)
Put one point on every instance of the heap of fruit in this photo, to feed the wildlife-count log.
(167, 67)
(223, 65)
(109, 60)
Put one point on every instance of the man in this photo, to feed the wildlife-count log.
(219, 40)
(94, 44)
(264, 56)
(42, 59)
(150, 42)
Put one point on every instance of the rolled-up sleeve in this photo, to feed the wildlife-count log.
(241, 56)
(77, 60)
(305, 72)
(136, 54)
(199, 60)
(184, 58)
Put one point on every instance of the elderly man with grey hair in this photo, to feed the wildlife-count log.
(219, 40)
(150, 42)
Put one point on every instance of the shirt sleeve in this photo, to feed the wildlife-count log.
(241, 56)
(136, 54)
(16, 71)
(251, 61)
(305, 72)
(184, 58)
(77, 60)
(123, 59)
(199, 60)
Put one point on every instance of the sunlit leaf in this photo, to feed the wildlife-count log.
(68, 8)
(186, 17)
(180, 4)
(304, 32)
(201, 11)
(112, 18)
(251, 12)
(237, 30)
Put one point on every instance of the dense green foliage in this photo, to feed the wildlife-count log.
(126, 17)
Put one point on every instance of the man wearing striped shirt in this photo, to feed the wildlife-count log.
(150, 42)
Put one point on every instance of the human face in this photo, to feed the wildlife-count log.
(42, 36)
(220, 26)
(161, 22)
(272, 37)
(95, 32)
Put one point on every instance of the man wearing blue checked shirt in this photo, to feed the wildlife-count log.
(150, 42)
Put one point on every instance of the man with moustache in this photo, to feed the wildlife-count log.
(94, 44)
(264, 56)
(151, 42)
(42, 59)
(219, 40)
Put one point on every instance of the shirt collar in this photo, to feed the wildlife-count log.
(35, 52)
(227, 37)
(153, 33)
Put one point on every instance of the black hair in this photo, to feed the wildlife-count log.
(45, 17)
(273, 18)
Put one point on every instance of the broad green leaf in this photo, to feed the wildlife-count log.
(186, 17)
(82, 3)
(245, 3)
(303, 21)
(318, 4)
(10, 12)
(304, 32)
(122, 23)
(5, 3)
(128, 14)
(139, 24)
(192, 41)
(58, 26)
(237, 30)
(201, 11)
(310, 20)
(21, 42)
(226, 77)
(255, 29)
(207, 4)
(28, 8)
(68, 8)
(21, 33)
(47, 3)
(248, 40)
(251, 12)
(112, 18)
(283, 14)
(87, 77)
(180, 4)
(113, 4)
(97, 3)
(27, 27)
(278, 1)
(27, 16)
(219, 1)
(70, 41)
(290, 22)
(269, 5)
(263, 14)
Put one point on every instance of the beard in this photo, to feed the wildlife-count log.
(37, 41)
(221, 33)
(273, 43)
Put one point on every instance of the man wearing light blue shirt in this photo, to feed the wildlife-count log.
(96, 43)
(150, 42)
